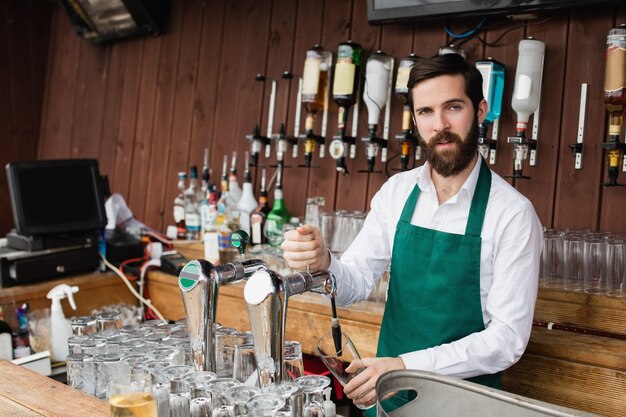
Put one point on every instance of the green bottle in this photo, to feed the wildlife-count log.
(278, 216)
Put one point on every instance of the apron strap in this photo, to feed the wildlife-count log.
(409, 206)
(479, 201)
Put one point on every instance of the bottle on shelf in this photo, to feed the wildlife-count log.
(407, 139)
(258, 217)
(193, 197)
(315, 81)
(179, 207)
(278, 216)
(247, 203)
(234, 190)
(346, 85)
(615, 98)
(6, 344)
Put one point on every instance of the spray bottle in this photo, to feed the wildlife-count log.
(60, 327)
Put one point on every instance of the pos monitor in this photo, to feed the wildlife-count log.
(53, 198)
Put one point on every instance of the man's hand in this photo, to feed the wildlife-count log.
(304, 247)
(362, 388)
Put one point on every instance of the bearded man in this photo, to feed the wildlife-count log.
(464, 247)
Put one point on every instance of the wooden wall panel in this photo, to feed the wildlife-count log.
(579, 192)
(24, 39)
(148, 107)
(309, 23)
(351, 191)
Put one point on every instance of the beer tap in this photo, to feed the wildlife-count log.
(376, 95)
(267, 294)
(525, 101)
(615, 100)
(493, 91)
(314, 97)
(199, 283)
(346, 86)
(407, 139)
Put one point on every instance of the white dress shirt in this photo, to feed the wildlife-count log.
(512, 238)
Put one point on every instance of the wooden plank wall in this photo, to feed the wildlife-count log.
(146, 108)
(24, 38)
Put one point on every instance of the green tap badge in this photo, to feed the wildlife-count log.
(189, 276)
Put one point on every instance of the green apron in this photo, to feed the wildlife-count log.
(434, 290)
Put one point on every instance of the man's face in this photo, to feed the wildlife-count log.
(447, 127)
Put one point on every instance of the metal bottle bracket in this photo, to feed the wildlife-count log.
(355, 127)
(532, 159)
(577, 147)
(494, 136)
(383, 151)
(296, 122)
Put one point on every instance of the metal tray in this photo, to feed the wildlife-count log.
(444, 396)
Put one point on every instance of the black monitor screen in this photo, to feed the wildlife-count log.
(56, 196)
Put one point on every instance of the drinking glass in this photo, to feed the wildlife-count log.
(265, 404)
(224, 351)
(239, 396)
(83, 325)
(312, 386)
(327, 222)
(552, 260)
(616, 267)
(180, 401)
(244, 359)
(108, 322)
(337, 361)
(218, 387)
(131, 396)
(293, 364)
(312, 215)
(293, 396)
(573, 247)
(341, 232)
(223, 411)
(73, 343)
(594, 265)
(200, 407)
(108, 366)
(80, 372)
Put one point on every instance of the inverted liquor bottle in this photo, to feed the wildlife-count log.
(247, 203)
(315, 82)
(347, 79)
(615, 96)
(406, 138)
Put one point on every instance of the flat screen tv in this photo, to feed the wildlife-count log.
(56, 196)
(407, 11)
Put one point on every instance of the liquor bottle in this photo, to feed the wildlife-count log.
(407, 139)
(278, 216)
(6, 343)
(347, 78)
(21, 341)
(234, 189)
(247, 203)
(179, 207)
(615, 96)
(493, 92)
(257, 218)
(315, 82)
(192, 205)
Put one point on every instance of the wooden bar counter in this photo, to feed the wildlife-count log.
(25, 393)
(575, 370)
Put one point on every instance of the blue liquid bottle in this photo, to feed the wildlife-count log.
(493, 90)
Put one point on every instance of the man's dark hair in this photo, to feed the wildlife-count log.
(449, 64)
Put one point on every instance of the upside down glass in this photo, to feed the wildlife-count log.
(338, 360)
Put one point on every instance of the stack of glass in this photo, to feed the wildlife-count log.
(161, 354)
(584, 261)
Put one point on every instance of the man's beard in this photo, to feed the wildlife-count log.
(450, 162)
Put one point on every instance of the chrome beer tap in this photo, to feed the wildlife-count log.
(267, 294)
(199, 283)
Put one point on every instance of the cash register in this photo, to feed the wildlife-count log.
(58, 210)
